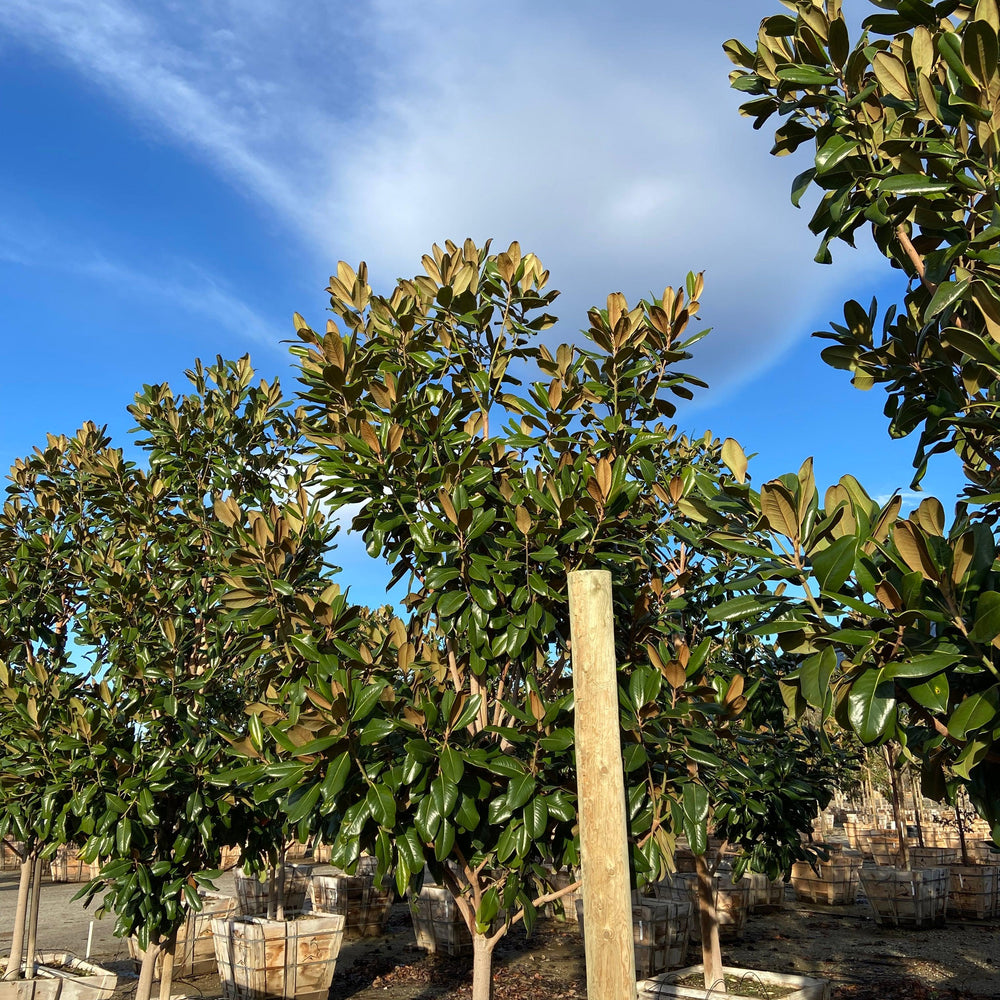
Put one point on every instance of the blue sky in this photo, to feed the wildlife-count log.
(182, 175)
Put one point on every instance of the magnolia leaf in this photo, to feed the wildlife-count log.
(778, 508)
(872, 705)
(734, 458)
(987, 625)
(975, 712)
(912, 548)
(890, 72)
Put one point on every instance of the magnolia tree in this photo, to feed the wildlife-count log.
(54, 721)
(903, 128)
(165, 644)
(446, 741)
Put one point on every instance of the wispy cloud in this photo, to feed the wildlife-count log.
(605, 140)
(187, 287)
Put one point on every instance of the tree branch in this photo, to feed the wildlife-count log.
(915, 259)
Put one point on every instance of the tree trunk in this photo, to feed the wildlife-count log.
(36, 892)
(961, 827)
(917, 807)
(711, 951)
(272, 892)
(20, 918)
(897, 811)
(482, 967)
(167, 966)
(279, 906)
(145, 988)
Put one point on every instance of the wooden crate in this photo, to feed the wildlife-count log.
(437, 922)
(61, 976)
(321, 853)
(684, 859)
(932, 857)
(972, 891)
(194, 954)
(364, 906)
(231, 858)
(252, 892)
(564, 908)
(661, 929)
(732, 901)
(11, 855)
(296, 851)
(263, 959)
(907, 898)
(834, 882)
(884, 848)
(68, 866)
(981, 852)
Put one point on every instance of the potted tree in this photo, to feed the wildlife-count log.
(451, 745)
(160, 543)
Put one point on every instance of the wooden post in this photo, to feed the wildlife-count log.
(607, 896)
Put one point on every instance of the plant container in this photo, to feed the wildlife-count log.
(364, 906)
(972, 891)
(68, 866)
(563, 908)
(262, 959)
(907, 898)
(768, 984)
(732, 901)
(884, 848)
(437, 922)
(834, 882)
(981, 852)
(932, 857)
(11, 855)
(252, 893)
(194, 953)
(60, 976)
(661, 929)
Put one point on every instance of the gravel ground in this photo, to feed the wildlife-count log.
(841, 943)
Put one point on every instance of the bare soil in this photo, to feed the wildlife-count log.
(840, 943)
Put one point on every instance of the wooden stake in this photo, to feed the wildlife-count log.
(607, 897)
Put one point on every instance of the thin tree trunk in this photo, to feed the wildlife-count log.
(870, 785)
(711, 951)
(917, 808)
(961, 827)
(36, 892)
(20, 918)
(167, 966)
(897, 809)
(280, 903)
(482, 967)
(272, 892)
(145, 988)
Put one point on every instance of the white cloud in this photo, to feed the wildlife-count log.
(606, 140)
(185, 286)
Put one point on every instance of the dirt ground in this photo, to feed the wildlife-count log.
(841, 943)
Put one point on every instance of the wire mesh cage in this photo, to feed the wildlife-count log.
(262, 959)
(834, 882)
(365, 906)
(907, 898)
(194, 952)
(292, 886)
